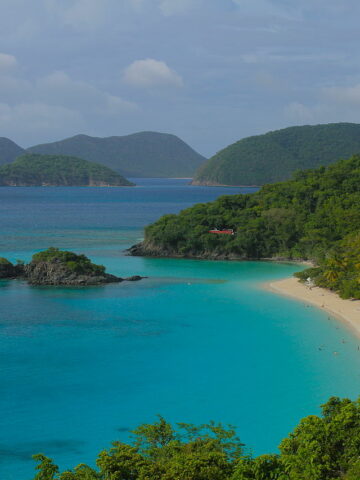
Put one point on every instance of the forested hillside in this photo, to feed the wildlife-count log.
(316, 216)
(143, 154)
(323, 447)
(9, 150)
(57, 170)
(276, 155)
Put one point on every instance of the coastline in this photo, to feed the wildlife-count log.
(348, 311)
(210, 184)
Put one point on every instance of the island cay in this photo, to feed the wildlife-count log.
(60, 268)
(34, 170)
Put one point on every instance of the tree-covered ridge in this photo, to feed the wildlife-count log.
(319, 448)
(142, 154)
(58, 170)
(274, 156)
(315, 216)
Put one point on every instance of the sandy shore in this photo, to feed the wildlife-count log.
(346, 310)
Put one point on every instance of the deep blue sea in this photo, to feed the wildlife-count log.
(197, 340)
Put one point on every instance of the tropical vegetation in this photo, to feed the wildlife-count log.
(314, 216)
(325, 447)
(274, 156)
(58, 170)
(79, 264)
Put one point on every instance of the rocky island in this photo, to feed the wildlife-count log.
(60, 268)
(33, 170)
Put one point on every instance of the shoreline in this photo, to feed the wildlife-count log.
(347, 311)
(199, 184)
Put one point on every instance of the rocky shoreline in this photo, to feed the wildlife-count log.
(147, 249)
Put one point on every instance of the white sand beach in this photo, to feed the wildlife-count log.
(346, 310)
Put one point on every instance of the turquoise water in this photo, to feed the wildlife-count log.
(197, 340)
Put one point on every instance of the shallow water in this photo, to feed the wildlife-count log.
(197, 340)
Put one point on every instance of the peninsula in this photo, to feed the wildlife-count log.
(276, 155)
(31, 170)
(315, 216)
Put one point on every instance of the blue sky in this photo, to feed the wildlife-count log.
(209, 71)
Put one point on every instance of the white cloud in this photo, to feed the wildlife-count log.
(137, 4)
(55, 105)
(38, 118)
(166, 7)
(80, 14)
(347, 95)
(151, 73)
(334, 104)
(321, 112)
(7, 62)
(300, 113)
(261, 8)
(81, 95)
(175, 7)
(116, 106)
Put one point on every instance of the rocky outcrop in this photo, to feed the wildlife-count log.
(8, 270)
(54, 272)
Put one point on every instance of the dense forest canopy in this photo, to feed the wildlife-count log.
(58, 170)
(274, 156)
(319, 448)
(315, 216)
(143, 154)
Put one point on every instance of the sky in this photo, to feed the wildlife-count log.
(210, 71)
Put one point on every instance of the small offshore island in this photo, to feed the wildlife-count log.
(59, 268)
(32, 170)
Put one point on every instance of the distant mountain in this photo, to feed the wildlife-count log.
(9, 150)
(144, 154)
(58, 170)
(274, 156)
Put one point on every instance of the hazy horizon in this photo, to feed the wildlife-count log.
(210, 72)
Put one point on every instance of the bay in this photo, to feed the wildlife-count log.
(197, 340)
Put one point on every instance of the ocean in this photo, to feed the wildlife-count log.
(195, 341)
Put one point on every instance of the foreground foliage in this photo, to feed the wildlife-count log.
(274, 156)
(316, 216)
(319, 448)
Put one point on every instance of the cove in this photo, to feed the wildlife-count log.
(198, 340)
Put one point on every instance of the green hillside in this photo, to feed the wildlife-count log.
(144, 154)
(273, 157)
(58, 170)
(9, 150)
(316, 216)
